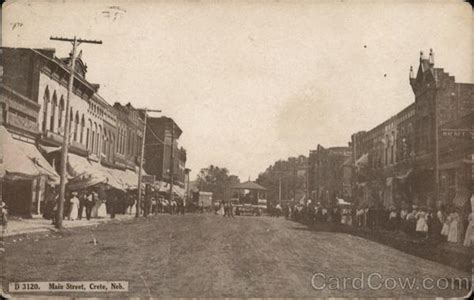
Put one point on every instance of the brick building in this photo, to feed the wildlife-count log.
(162, 143)
(415, 156)
(104, 142)
(326, 173)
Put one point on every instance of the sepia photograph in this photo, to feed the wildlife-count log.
(236, 149)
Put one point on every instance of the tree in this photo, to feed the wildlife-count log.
(216, 180)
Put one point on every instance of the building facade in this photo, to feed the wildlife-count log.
(104, 140)
(423, 154)
(163, 155)
(326, 173)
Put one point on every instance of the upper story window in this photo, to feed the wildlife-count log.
(45, 109)
(54, 106)
(61, 112)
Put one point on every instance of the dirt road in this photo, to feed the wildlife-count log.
(209, 256)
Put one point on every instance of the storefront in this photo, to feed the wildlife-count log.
(25, 171)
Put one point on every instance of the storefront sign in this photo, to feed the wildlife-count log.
(465, 133)
(148, 179)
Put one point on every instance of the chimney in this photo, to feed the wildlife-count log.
(431, 58)
(412, 73)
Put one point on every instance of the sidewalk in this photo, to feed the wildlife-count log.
(454, 255)
(39, 224)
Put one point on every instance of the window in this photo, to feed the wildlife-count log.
(99, 140)
(113, 143)
(88, 135)
(53, 112)
(119, 134)
(60, 113)
(104, 142)
(45, 109)
(82, 129)
(129, 142)
(76, 125)
(94, 140)
(71, 120)
(392, 158)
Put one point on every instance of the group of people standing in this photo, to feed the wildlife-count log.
(446, 224)
(85, 202)
(177, 206)
(225, 209)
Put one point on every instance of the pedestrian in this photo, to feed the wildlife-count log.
(180, 206)
(231, 210)
(174, 206)
(111, 203)
(421, 224)
(411, 221)
(454, 233)
(74, 206)
(403, 218)
(446, 221)
(469, 236)
(67, 208)
(82, 203)
(324, 214)
(89, 204)
(4, 216)
(392, 218)
(226, 208)
(54, 213)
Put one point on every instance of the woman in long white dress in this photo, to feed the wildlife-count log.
(102, 210)
(454, 230)
(445, 220)
(469, 237)
(421, 225)
(74, 207)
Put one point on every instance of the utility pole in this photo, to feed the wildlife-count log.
(64, 151)
(279, 190)
(436, 149)
(172, 162)
(142, 156)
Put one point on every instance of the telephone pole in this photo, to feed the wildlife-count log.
(172, 162)
(64, 151)
(142, 156)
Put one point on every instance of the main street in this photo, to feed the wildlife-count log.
(210, 256)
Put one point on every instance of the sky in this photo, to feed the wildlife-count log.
(252, 82)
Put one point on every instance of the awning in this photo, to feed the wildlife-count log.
(164, 187)
(108, 177)
(405, 175)
(78, 165)
(22, 160)
(461, 198)
(130, 179)
(49, 149)
(362, 161)
(178, 190)
(85, 173)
